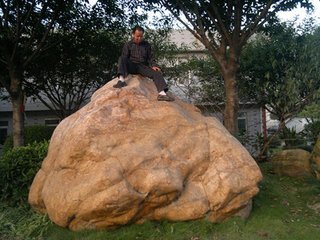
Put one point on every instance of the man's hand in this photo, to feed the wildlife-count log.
(154, 68)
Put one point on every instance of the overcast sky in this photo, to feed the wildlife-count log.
(302, 13)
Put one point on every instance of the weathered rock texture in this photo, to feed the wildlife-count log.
(125, 158)
(292, 162)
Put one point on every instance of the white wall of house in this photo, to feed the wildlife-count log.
(297, 123)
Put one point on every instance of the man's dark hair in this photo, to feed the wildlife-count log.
(139, 28)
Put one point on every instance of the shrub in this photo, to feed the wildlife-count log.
(18, 167)
(291, 138)
(312, 131)
(253, 143)
(276, 142)
(36, 133)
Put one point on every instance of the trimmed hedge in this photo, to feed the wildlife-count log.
(36, 133)
(18, 167)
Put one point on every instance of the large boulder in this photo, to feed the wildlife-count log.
(292, 162)
(126, 157)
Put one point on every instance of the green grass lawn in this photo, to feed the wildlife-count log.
(285, 208)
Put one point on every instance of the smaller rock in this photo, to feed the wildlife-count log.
(293, 163)
(127, 158)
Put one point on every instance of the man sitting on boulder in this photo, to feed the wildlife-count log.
(137, 58)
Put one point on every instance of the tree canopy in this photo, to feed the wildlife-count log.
(281, 71)
(81, 60)
(224, 28)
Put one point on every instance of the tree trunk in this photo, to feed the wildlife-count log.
(17, 99)
(229, 66)
(231, 102)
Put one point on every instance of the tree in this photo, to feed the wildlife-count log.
(83, 58)
(281, 71)
(24, 30)
(119, 14)
(224, 28)
(64, 78)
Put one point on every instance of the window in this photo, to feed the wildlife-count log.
(4, 124)
(51, 122)
(3, 131)
(242, 122)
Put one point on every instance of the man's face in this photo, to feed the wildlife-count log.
(137, 36)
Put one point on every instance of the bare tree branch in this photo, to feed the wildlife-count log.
(196, 33)
(238, 18)
(42, 100)
(218, 21)
(42, 14)
(27, 17)
(251, 28)
(42, 41)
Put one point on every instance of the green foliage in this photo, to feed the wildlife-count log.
(25, 29)
(22, 223)
(27, 39)
(280, 70)
(18, 167)
(8, 144)
(36, 133)
(311, 131)
(276, 142)
(287, 76)
(164, 50)
(81, 59)
(198, 79)
(253, 142)
(224, 28)
(311, 111)
(291, 138)
(226, 18)
(85, 55)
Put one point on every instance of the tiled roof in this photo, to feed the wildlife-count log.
(184, 38)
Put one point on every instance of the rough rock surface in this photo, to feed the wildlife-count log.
(292, 162)
(126, 158)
